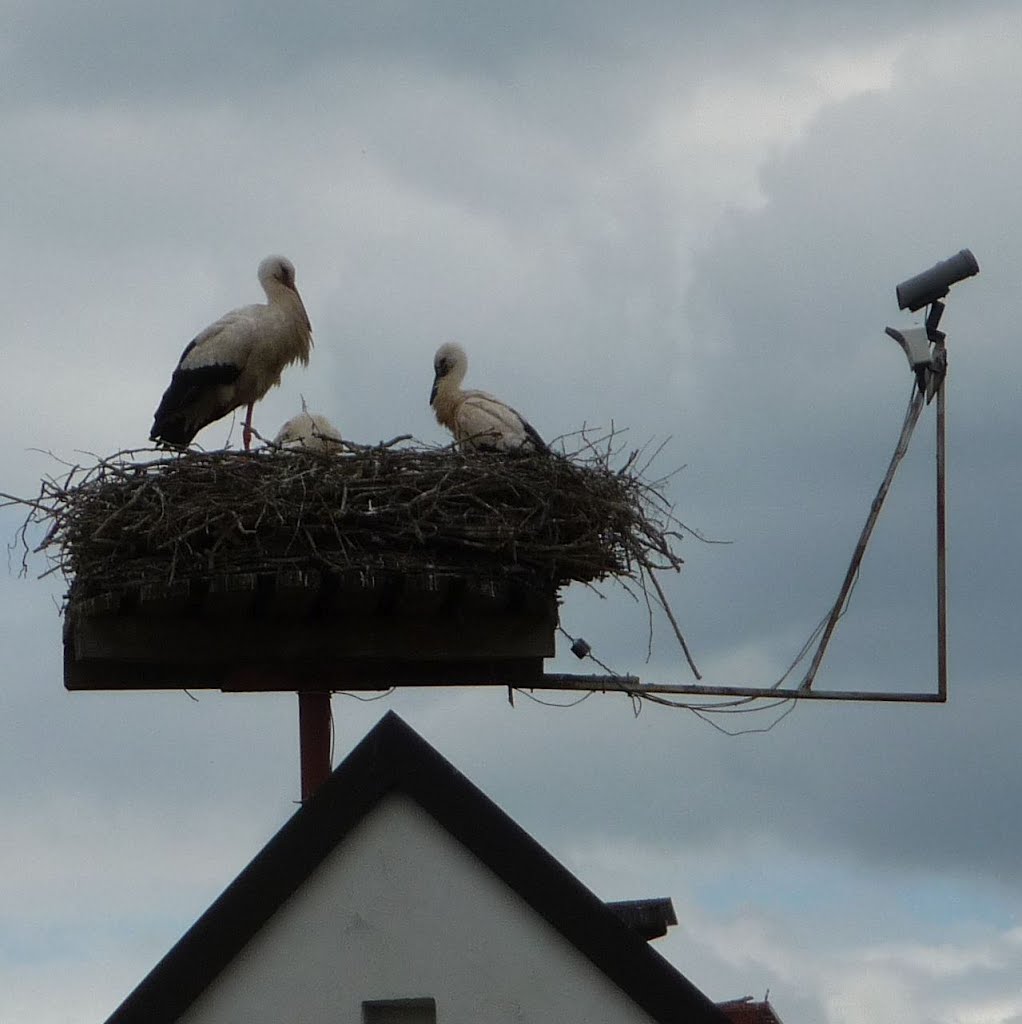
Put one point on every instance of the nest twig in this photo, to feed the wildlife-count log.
(132, 519)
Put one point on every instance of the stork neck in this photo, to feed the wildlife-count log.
(446, 400)
(452, 382)
(287, 298)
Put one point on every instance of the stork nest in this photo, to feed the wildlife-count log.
(132, 520)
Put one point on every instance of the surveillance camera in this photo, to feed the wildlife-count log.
(934, 283)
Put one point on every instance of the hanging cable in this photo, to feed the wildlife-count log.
(915, 406)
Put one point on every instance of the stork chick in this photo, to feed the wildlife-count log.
(236, 360)
(309, 431)
(476, 418)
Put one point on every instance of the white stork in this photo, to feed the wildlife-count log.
(475, 417)
(309, 431)
(236, 360)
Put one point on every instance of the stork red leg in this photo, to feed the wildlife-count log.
(246, 431)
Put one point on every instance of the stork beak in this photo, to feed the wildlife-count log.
(436, 383)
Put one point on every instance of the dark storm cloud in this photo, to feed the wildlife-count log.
(792, 300)
(69, 52)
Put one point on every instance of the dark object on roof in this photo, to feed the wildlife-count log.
(649, 918)
(394, 758)
(748, 1011)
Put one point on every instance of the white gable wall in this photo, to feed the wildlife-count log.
(400, 909)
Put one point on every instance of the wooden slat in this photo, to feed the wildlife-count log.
(165, 598)
(365, 674)
(304, 592)
(296, 592)
(222, 640)
(102, 604)
(309, 676)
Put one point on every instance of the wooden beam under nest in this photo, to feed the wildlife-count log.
(310, 631)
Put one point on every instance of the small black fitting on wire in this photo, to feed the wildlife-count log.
(580, 648)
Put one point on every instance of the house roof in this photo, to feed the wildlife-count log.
(394, 758)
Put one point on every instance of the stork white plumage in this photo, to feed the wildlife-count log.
(476, 418)
(309, 431)
(236, 360)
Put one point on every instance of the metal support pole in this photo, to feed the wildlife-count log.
(631, 686)
(314, 739)
(941, 551)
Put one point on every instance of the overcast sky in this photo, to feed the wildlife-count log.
(684, 219)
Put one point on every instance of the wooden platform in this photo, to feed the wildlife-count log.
(310, 631)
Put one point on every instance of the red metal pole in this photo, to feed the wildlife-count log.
(314, 738)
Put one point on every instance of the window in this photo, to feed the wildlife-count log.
(399, 1011)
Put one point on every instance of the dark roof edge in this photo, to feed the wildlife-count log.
(392, 756)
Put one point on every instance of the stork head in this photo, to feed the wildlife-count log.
(279, 269)
(450, 362)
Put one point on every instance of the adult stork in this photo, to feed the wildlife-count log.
(236, 360)
(476, 418)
